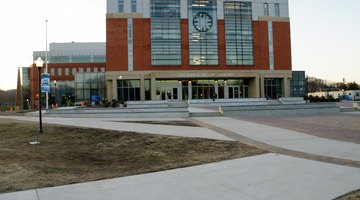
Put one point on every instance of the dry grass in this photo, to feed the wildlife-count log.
(351, 196)
(71, 155)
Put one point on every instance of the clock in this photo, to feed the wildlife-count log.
(202, 22)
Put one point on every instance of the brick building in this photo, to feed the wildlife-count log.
(194, 49)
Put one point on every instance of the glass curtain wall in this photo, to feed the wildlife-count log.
(25, 88)
(203, 89)
(272, 87)
(128, 90)
(167, 89)
(298, 84)
(239, 35)
(203, 37)
(165, 32)
(89, 84)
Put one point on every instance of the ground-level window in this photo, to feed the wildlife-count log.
(272, 88)
(128, 90)
(167, 90)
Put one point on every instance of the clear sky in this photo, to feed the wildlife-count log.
(325, 34)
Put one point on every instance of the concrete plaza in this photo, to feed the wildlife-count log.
(278, 175)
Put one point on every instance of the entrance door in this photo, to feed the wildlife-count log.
(246, 91)
(172, 94)
(234, 92)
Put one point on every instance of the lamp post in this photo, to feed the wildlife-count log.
(55, 92)
(39, 64)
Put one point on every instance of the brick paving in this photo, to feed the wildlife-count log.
(327, 123)
(343, 127)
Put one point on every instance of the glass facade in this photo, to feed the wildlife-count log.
(239, 35)
(266, 9)
(203, 89)
(165, 32)
(272, 88)
(298, 84)
(25, 88)
(120, 5)
(203, 34)
(130, 45)
(277, 9)
(63, 94)
(90, 84)
(133, 6)
(167, 90)
(128, 90)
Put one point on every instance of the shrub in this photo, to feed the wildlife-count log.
(114, 103)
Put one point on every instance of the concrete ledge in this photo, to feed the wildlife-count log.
(280, 109)
(292, 100)
(229, 102)
(119, 112)
(156, 104)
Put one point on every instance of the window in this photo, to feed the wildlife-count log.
(266, 9)
(52, 72)
(165, 32)
(130, 45)
(239, 34)
(59, 72)
(103, 69)
(88, 70)
(133, 6)
(73, 71)
(128, 90)
(66, 71)
(81, 70)
(203, 35)
(120, 5)
(277, 10)
(96, 70)
(90, 84)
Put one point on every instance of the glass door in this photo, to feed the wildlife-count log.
(234, 92)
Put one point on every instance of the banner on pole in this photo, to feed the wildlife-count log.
(45, 82)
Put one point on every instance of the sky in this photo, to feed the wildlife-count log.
(324, 34)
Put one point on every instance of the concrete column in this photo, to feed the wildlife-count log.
(262, 89)
(286, 86)
(180, 91)
(217, 89)
(109, 89)
(254, 87)
(115, 89)
(189, 90)
(226, 90)
(153, 86)
(142, 88)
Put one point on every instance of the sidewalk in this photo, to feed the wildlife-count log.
(120, 125)
(268, 176)
(287, 139)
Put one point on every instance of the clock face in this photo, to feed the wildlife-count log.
(202, 22)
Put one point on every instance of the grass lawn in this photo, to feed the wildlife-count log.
(351, 196)
(72, 155)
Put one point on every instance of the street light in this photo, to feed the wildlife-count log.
(39, 64)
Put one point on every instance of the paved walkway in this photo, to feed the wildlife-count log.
(268, 176)
(119, 125)
(285, 139)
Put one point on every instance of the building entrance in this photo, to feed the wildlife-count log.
(234, 92)
(171, 94)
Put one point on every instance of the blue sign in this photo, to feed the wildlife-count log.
(95, 98)
(45, 82)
